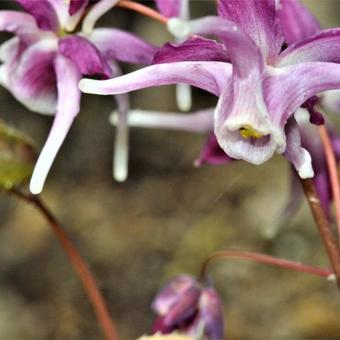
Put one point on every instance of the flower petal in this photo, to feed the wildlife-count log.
(259, 20)
(115, 44)
(297, 155)
(212, 153)
(68, 77)
(210, 76)
(210, 314)
(31, 79)
(193, 49)
(43, 12)
(297, 21)
(98, 10)
(289, 87)
(85, 55)
(76, 5)
(21, 24)
(324, 46)
(244, 54)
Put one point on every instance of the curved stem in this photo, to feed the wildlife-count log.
(333, 172)
(137, 7)
(94, 295)
(322, 223)
(262, 258)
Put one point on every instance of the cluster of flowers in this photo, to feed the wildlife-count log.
(270, 66)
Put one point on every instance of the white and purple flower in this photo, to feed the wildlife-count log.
(43, 63)
(259, 86)
(185, 305)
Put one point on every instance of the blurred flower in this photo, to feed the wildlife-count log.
(260, 89)
(184, 305)
(44, 62)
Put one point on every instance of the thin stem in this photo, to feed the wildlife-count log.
(262, 258)
(333, 172)
(143, 10)
(94, 295)
(322, 223)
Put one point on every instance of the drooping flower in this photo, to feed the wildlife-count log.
(185, 305)
(260, 89)
(44, 62)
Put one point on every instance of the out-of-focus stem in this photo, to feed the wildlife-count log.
(137, 7)
(333, 172)
(262, 258)
(322, 223)
(94, 295)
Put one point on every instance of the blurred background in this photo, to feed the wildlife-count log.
(164, 220)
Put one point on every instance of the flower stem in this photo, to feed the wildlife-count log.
(262, 258)
(94, 295)
(333, 172)
(137, 7)
(322, 223)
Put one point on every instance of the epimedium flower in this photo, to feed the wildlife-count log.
(184, 305)
(43, 63)
(259, 86)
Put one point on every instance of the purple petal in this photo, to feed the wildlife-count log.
(119, 45)
(68, 77)
(212, 153)
(297, 21)
(210, 314)
(184, 308)
(21, 24)
(244, 54)
(172, 293)
(258, 19)
(210, 76)
(324, 46)
(244, 126)
(171, 8)
(43, 12)
(193, 49)
(85, 55)
(31, 77)
(76, 5)
(289, 87)
(297, 155)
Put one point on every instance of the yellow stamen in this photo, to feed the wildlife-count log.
(247, 131)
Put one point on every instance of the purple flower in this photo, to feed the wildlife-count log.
(259, 90)
(184, 305)
(44, 62)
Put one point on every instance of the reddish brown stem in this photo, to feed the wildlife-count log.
(333, 172)
(266, 259)
(322, 223)
(137, 7)
(94, 295)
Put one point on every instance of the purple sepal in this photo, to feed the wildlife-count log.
(316, 117)
(212, 154)
(43, 12)
(193, 49)
(76, 5)
(85, 55)
(211, 314)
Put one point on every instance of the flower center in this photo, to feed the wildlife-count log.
(247, 131)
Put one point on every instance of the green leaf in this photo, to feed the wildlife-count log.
(17, 157)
